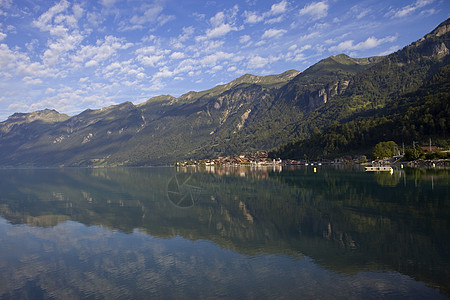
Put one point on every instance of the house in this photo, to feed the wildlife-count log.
(431, 148)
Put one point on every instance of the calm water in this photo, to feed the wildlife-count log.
(224, 233)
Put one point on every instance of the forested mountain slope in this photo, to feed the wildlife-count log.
(417, 116)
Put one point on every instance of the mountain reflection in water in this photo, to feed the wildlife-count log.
(224, 232)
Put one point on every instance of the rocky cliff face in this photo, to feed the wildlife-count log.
(435, 43)
(322, 96)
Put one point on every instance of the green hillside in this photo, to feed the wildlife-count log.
(403, 97)
(416, 116)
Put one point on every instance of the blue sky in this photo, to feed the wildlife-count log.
(74, 55)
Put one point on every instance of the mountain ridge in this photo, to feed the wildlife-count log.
(250, 113)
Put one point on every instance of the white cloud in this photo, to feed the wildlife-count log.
(237, 58)
(43, 22)
(299, 57)
(151, 13)
(186, 66)
(297, 50)
(261, 43)
(357, 11)
(369, 43)
(11, 28)
(252, 17)
(198, 16)
(222, 23)
(257, 62)
(61, 47)
(278, 8)
(216, 68)
(163, 73)
(71, 43)
(151, 55)
(270, 33)
(151, 60)
(124, 72)
(186, 35)
(103, 50)
(71, 100)
(274, 20)
(218, 19)
(163, 19)
(62, 26)
(315, 10)
(210, 46)
(18, 106)
(409, 9)
(309, 36)
(17, 63)
(31, 81)
(5, 4)
(211, 60)
(112, 66)
(91, 63)
(219, 31)
(428, 12)
(363, 13)
(390, 50)
(77, 11)
(108, 3)
(94, 18)
(177, 55)
(31, 46)
(141, 76)
(244, 39)
(147, 50)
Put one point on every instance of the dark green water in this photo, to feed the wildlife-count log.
(136, 233)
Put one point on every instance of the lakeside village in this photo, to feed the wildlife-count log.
(261, 159)
(252, 159)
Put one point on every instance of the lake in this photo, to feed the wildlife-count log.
(230, 233)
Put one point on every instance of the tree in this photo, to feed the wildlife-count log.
(363, 159)
(414, 153)
(384, 150)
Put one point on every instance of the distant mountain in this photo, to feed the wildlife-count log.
(247, 79)
(248, 114)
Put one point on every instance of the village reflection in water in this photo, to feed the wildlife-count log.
(224, 232)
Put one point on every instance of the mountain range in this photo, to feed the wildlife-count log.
(338, 105)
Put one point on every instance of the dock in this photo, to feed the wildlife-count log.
(379, 169)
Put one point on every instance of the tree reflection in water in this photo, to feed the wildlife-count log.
(349, 222)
